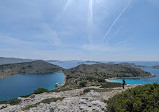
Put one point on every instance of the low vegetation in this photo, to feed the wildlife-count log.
(98, 90)
(87, 90)
(13, 101)
(139, 99)
(82, 84)
(110, 85)
(48, 101)
(38, 66)
(95, 75)
(40, 90)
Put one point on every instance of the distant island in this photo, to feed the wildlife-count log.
(4, 60)
(38, 66)
(157, 67)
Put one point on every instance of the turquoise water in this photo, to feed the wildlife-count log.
(142, 81)
(24, 84)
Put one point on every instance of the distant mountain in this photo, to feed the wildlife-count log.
(4, 60)
(38, 66)
(156, 66)
(71, 63)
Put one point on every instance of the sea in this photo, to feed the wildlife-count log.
(25, 84)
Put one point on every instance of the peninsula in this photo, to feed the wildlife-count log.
(38, 66)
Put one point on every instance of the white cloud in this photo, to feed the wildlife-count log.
(11, 40)
(50, 36)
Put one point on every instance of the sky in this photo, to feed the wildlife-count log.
(99, 30)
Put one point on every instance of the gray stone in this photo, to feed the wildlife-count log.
(82, 107)
(82, 101)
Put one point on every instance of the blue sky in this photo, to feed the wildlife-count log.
(104, 30)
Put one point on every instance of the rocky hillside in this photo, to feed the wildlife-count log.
(90, 75)
(38, 66)
(88, 99)
(110, 70)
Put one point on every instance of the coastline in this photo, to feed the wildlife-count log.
(63, 81)
(150, 76)
(60, 85)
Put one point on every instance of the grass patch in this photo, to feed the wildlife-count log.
(40, 90)
(102, 90)
(4, 102)
(110, 85)
(27, 95)
(13, 101)
(37, 91)
(52, 99)
(97, 90)
(60, 89)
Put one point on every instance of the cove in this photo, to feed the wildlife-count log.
(142, 81)
(24, 84)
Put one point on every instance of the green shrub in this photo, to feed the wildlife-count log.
(83, 84)
(14, 101)
(110, 85)
(40, 90)
(139, 99)
(101, 80)
(86, 90)
(4, 102)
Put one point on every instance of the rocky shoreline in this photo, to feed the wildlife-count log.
(72, 101)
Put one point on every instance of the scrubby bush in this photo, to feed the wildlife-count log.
(40, 90)
(101, 80)
(139, 99)
(14, 101)
(110, 85)
(86, 90)
(83, 84)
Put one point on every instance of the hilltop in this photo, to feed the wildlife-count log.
(90, 75)
(38, 66)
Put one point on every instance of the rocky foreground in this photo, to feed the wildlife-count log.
(76, 100)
